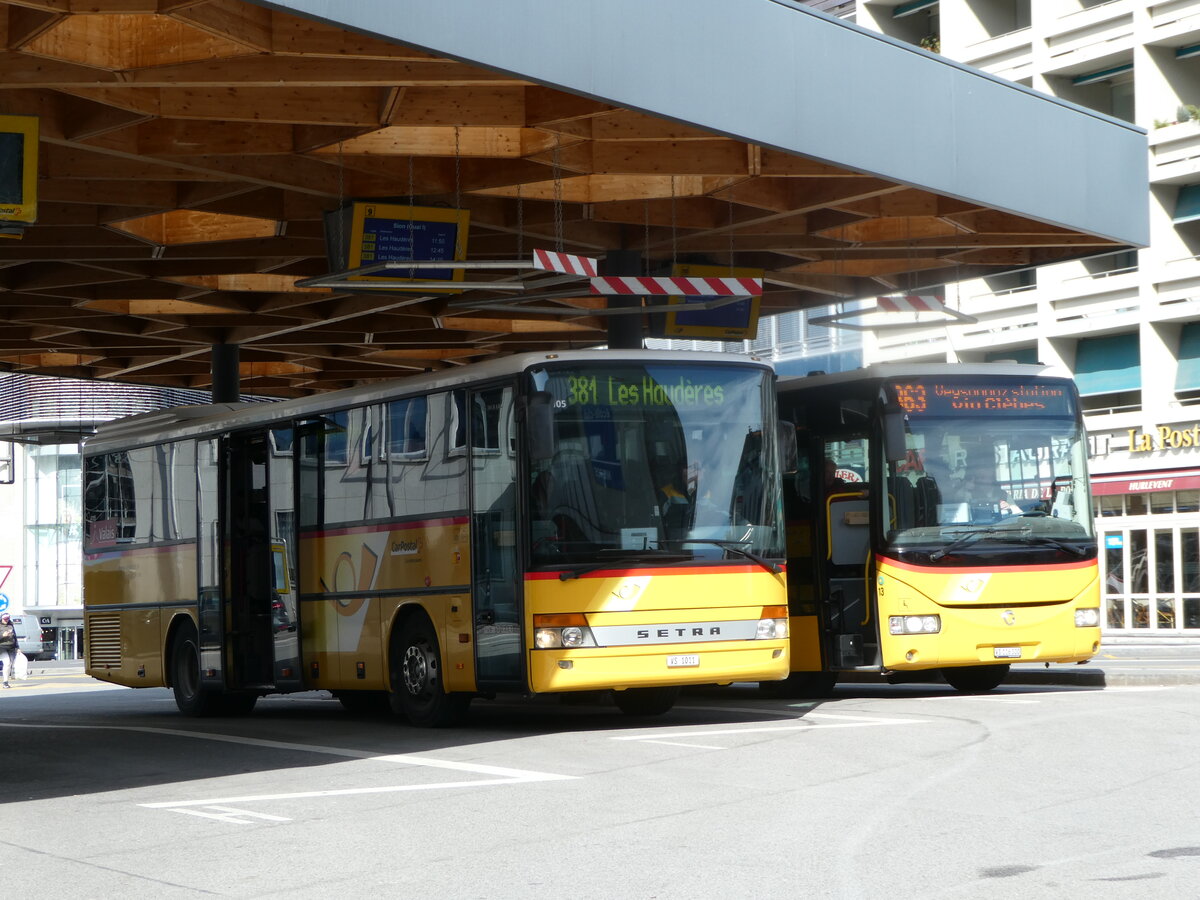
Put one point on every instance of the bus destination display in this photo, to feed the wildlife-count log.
(958, 397)
(616, 390)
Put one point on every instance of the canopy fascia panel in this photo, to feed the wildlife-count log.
(788, 77)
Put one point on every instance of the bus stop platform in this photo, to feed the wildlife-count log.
(1120, 662)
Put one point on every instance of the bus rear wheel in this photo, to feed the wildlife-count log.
(192, 698)
(418, 689)
(646, 701)
(975, 679)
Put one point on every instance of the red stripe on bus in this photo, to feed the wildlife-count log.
(126, 549)
(983, 570)
(621, 573)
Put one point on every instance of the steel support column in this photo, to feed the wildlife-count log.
(225, 374)
(624, 332)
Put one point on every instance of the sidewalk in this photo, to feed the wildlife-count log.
(1122, 661)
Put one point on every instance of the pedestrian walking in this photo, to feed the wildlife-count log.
(8, 646)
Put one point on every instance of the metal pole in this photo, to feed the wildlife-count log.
(225, 387)
(624, 332)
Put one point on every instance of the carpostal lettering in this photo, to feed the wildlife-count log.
(405, 548)
(645, 634)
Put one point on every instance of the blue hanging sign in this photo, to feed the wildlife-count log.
(388, 232)
(729, 322)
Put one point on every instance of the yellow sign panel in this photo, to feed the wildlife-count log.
(732, 322)
(18, 169)
(387, 232)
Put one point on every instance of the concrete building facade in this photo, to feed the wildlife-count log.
(1127, 325)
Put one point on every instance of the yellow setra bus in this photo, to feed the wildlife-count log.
(575, 521)
(939, 519)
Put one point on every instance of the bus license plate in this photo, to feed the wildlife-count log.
(1007, 652)
(683, 660)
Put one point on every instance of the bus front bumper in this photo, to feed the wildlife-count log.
(664, 664)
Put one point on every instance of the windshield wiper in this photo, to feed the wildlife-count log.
(619, 556)
(964, 537)
(734, 547)
(1054, 542)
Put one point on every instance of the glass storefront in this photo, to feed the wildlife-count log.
(1151, 554)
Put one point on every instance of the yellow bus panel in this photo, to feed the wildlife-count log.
(1031, 608)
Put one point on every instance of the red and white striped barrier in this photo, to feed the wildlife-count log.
(677, 286)
(567, 263)
(911, 303)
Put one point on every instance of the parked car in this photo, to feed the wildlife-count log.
(29, 638)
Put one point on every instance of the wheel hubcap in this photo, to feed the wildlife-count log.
(416, 670)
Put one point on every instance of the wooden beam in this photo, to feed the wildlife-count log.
(232, 20)
(441, 77)
(119, 41)
(296, 36)
(24, 26)
(286, 104)
(694, 157)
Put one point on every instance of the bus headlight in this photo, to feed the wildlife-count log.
(1087, 618)
(554, 632)
(771, 630)
(914, 624)
(773, 626)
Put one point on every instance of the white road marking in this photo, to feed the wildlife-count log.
(804, 725)
(231, 815)
(498, 774)
(682, 744)
(995, 699)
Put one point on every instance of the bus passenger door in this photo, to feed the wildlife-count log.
(259, 590)
(848, 610)
(495, 587)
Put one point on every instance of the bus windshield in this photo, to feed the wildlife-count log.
(662, 462)
(988, 460)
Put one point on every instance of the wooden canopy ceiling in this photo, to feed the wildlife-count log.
(189, 149)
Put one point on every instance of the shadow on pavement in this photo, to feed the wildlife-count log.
(71, 744)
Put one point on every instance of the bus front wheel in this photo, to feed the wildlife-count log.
(975, 679)
(646, 701)
(418, 689)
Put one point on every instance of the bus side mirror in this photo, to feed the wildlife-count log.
(895, 442)
(539, 425)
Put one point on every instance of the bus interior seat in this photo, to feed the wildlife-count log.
(904, 496)
(927, 498)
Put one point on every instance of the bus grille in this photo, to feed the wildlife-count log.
(104, 642)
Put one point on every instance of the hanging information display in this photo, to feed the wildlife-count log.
(386, 232)
(729, 322)
(18, 170)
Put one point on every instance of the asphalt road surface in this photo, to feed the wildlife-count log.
(883, 790)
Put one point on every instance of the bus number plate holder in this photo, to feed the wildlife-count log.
(683, 660)
(1007, 652)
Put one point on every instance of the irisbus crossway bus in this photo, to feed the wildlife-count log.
(541, 523)
(940, 519)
